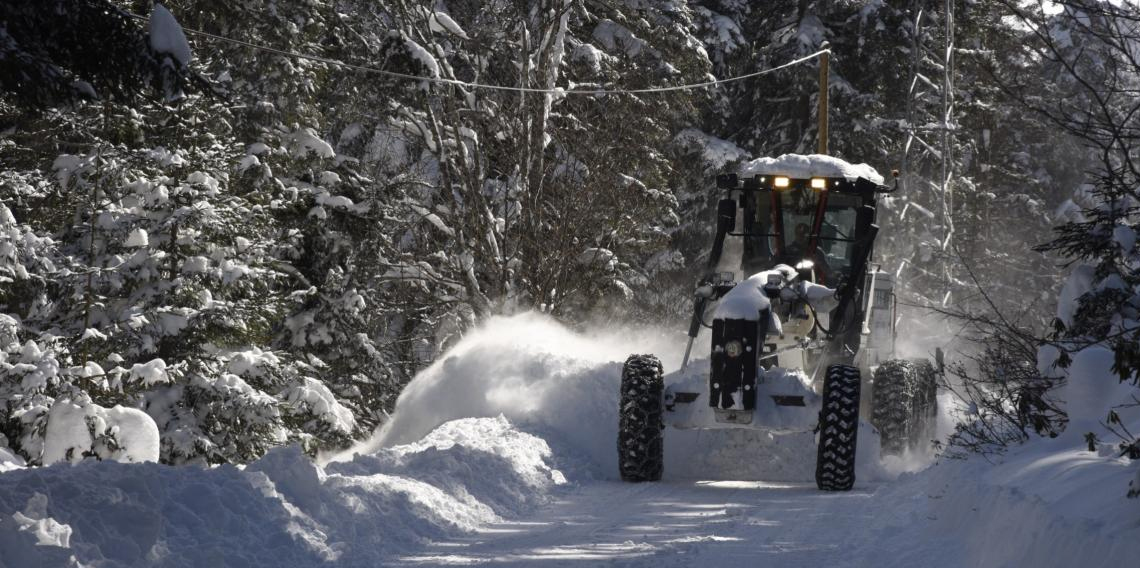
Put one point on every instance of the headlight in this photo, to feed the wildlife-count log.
(781, 182)
(733, 348)
(818, 183)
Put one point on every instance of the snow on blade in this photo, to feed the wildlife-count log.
(807, 166)
(747, 299)
(166, 35)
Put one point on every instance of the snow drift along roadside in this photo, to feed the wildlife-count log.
(1049, 502)
(282, 510)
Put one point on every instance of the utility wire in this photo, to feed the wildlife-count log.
(441, 80)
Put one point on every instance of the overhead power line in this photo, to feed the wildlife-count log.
(470, 85)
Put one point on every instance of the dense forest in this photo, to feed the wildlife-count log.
(257, 220)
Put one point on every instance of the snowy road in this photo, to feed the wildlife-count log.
(713, 523)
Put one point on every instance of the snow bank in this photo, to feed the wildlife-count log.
(29, 537)
(1047, 503)
(1092, 389)
(813, 165)
(282, 510)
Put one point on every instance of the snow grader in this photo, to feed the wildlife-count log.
(802, 327)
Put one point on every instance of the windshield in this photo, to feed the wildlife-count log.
(785, 228)
(797, 211)
(837, 233)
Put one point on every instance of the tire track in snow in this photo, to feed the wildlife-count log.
(723, 524)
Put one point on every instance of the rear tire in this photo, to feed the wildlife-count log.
(640, 441)
(838, 429)
(904, 404)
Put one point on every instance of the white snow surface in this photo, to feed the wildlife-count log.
(319, 400)
(150, 373)
(800, 166)
(70, 429)
(137, 239)
(502, 453)
(306, 141)
(440, 22)
(282, 510)
(9, 460)
(67, 436)
(422, 55)
(716, 152)
(166, 35)
(1079, 283)
(135, 432)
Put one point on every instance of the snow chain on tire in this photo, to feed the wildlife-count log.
(640, 443)
(838, 429)
(904, 404)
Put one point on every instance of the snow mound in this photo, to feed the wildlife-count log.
(806, 166)
(75, 431)
(1046, 503)
(282, 510)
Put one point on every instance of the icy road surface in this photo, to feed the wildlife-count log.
(706, 523)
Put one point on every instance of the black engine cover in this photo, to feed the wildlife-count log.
(735, 374)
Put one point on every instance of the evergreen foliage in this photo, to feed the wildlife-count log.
(269, 256)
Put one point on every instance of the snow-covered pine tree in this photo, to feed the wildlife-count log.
(56, 51)
(168, 273)
(1088, 47)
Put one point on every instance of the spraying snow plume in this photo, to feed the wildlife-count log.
(563, 386)
(532, 370)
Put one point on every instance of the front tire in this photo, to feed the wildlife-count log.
(640, 441)
(838, 429)
(904, 404)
